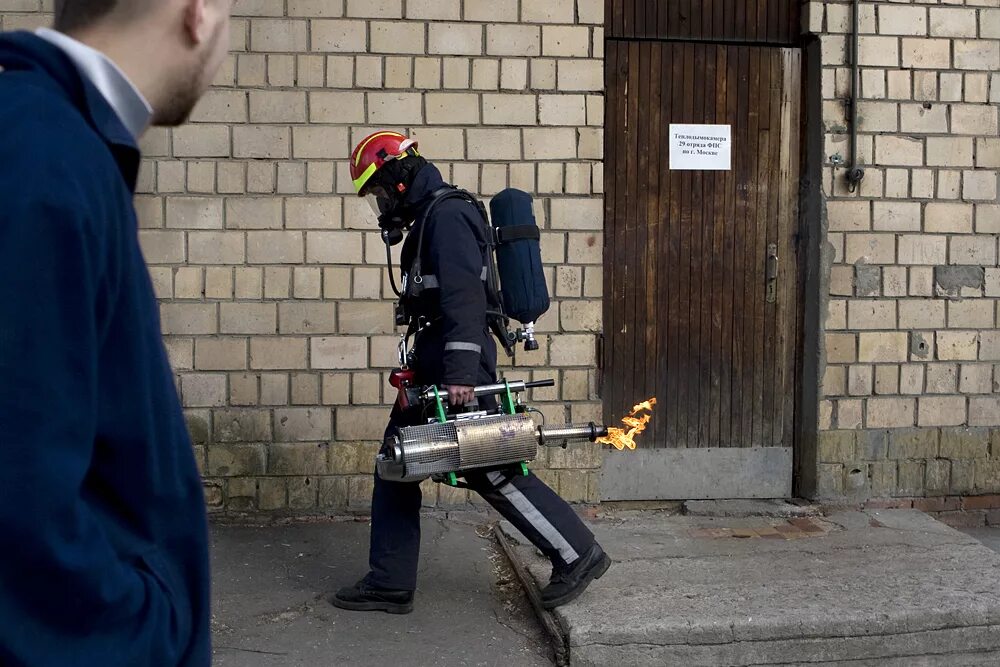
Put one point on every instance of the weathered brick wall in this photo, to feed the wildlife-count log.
(911, 388)
(275, 305)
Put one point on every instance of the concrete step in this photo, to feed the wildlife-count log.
(854, 588)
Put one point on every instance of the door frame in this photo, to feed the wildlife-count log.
(800, 458)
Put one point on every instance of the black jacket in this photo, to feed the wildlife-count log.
(458, 347)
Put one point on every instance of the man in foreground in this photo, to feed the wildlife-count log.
(454, 350)
(102, 520)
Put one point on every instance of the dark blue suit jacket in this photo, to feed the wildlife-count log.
(103, 535)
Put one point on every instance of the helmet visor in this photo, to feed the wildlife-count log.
(380, 205)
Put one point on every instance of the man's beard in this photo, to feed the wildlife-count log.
(188, 88)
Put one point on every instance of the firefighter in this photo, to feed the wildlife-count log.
(453, 349)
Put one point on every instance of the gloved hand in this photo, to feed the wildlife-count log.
(459, 394)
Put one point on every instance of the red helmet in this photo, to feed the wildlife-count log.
(374, 151)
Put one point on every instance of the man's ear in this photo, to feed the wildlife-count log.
(194, 21)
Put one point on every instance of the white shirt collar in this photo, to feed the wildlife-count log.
(121, 94)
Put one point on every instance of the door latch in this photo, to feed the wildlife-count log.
(771, 272)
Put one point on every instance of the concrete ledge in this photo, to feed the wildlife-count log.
(864, 586)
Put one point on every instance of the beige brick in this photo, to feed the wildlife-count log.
(973, 250)
(375, 8)
(989, 23)
(922, 249)
(513, 40)
(435, 10)
(307, 318)
(275, 247)
(952, 22)
(261, 142)
(340, 71)
(890, 412)
(333, 247)
(248, 318)
(456, 73)
(973, 119)
(984, 411)
(988, 218)
(336, 107)
(562, 109)
(397, 37)
(307, 282)
(490, 144)
(926, 53)
(322, 142)
(355, 424)
(872, 314)
(977, 54)
(898, 150)
(581, 75)
(215, 248)
(162, 247)
(896, 216)
(297, 425)
(188, 319)
(971, 314)
(339, 352)
(550, 11)
(902, 20)
(921, 314)
(203, 391)
(871, 248)
(543, 74)
(979, 185)
(942, 378)
(873, 51)
(566, 41)
(491, 11)
(278, 353)
(439, 143)
(394, 108)
(549, 143)
(880, 347)
(573, 350)
(455, 39)
(359, 317)
(271, 35)
(917, 118)
(219, 282)
(514, 74)
(988, 152)
(220, 354)
(194, 213)
(253, 213)
(338, 35)
(188, 283)
(452, 109)
(949, 152)
(941, 411)
(976, 379)
(957, 345)
(313, 212)
(517, 110)
(235, 460)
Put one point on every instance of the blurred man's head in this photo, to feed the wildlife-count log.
(170, 49)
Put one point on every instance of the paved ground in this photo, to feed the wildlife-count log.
(269, 609)
(990, 537)
(887, 588)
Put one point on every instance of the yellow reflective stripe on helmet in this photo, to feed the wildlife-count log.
(360, 181)
(361, 149)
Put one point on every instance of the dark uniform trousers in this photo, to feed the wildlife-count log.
(536, 510)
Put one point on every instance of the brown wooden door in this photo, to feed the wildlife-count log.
(695, 312)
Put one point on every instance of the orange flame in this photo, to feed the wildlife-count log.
(620, 438)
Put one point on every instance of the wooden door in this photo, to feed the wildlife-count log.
(701, 275)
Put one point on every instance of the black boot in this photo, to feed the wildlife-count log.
(362, 597)
(567, 584)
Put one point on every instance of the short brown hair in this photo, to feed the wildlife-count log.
(73, 15)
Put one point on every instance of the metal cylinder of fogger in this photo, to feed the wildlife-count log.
(419, 452)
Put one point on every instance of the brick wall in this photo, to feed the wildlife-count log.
(275, 305)
(911, 387)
